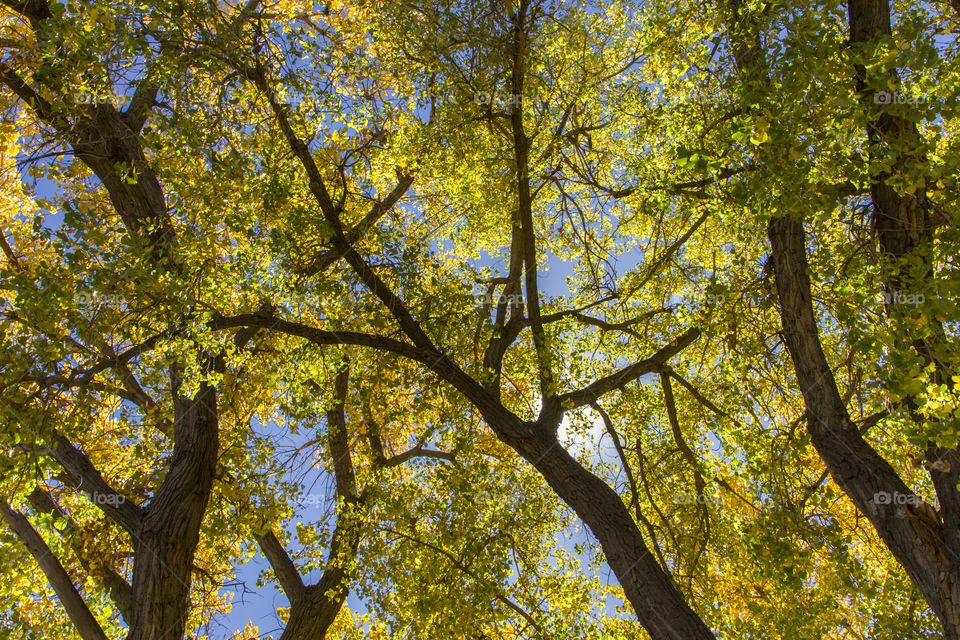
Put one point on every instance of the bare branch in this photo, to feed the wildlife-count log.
(702, 399)
(339, 441)
(25, 92)
(8, 252)
(654, 268)
(528, 245)
(495, 413)
(624, 326)
(505, 332)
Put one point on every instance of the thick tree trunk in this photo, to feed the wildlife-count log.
(659, 605)
(315, 611)
(904, 231)
(910, 528)
(168, 537)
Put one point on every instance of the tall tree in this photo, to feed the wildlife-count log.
(275, 228)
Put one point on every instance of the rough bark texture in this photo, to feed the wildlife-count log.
(105, 139)
(87, 626)
(659, 605)
(910, 528)
(88, 480)
(167, 540)
(905, 235)
(165, 533)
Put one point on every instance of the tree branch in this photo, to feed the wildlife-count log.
(628, 374)
(493, 411)
(80, 615)
(505, 332)
(416, 452)
(87, 478)
(460, 566)
(34, 10)
(321, 262)
(318, 605)
(113, 582)
(528, 245)
(287, 574)
(691, 458)
(631, 481)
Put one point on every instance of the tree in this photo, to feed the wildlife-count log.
(334, 220)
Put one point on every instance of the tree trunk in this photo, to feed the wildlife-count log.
(910, 528)
(904, 231)
(659, 605)
(165, 546)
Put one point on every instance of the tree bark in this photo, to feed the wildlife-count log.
(170, 530)
(910, 528)
(647, 586)
(313, 608)
(659, 605)
(905, 237)
(77, 610)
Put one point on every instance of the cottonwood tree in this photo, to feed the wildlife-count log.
(338, 218)
(912, 242)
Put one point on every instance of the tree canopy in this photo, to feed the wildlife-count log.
(536, 319)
